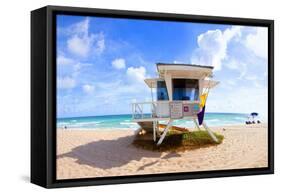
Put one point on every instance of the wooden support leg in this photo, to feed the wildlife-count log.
(165, 132)
(157, 129)
(212, 135)
(154, 131)
(196, 124)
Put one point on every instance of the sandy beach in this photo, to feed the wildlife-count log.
(92, 153)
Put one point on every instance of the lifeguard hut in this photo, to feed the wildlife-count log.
(181, 93)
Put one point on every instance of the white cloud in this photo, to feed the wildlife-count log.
(177, 62)
(251, 77)
(66, 83)
(212, 46)
(79, 46)
(241, 52)
(258, 42)
(80, 27)
(137, 73)
(231, 82)
(232, 33)
(82, 43)
(68, 67)
(239, 100)
(100, 44)
(237, 65)
(87, 88)
(62, 60)
(119, 63)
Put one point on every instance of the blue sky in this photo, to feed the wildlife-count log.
(101, 63)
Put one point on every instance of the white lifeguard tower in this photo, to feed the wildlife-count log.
(179, 88)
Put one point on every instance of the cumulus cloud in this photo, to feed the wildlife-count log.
(88, 88)
(241, 55)
(82, 43)
(68, 67)
(119, 63)
(258, 42)
(212, 46)
(238, 48)
(82, 46)
(79, 46)
(136, 73)
(66, 83)
(80, 28)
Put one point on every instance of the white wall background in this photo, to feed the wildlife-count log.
(15, 94)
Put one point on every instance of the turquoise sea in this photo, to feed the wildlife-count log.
(125, 121)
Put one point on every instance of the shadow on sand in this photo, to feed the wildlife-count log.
(106, 154)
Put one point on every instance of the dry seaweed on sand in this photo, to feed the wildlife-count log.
(177, 141)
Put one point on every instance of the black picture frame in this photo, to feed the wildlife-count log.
(43, 96)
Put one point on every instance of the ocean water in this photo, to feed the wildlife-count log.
(125, 121)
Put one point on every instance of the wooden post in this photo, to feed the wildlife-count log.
(165, 132)
(212, 135)
(154, 131)
(196, 124)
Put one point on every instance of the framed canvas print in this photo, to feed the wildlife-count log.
(125, 96)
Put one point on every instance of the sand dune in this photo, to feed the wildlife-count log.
(91, 153)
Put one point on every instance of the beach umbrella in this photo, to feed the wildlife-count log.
(254, 114)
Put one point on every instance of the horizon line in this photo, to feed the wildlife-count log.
(131, 114)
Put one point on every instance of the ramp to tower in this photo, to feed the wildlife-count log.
(147, 126)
